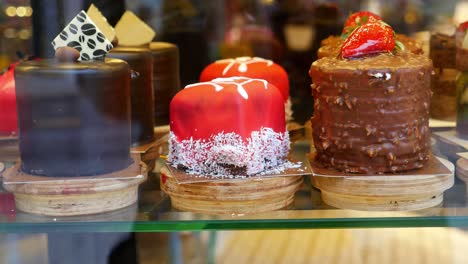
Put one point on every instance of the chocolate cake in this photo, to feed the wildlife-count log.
(462, 59)
(462, 100)
(141, 89)
(461, 43)
(371, 114)
(443, 101)
(331, 46)
(166, 78)
(74, 117)
(442, 50)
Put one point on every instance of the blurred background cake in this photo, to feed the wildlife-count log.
(166, 79)
(140, 61)
(255, 67)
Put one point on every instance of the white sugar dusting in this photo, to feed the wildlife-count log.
(264, 151)
(243, 63)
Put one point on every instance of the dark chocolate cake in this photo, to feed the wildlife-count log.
(371, 114)
(443, 101)
(166, 79)
(442, 50)
(142, 94)
(74, 118)
(462, 100)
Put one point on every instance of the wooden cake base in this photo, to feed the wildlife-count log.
(385, 193)
(75, 196)
(244, 196)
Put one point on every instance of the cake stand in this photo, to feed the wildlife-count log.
(242, 196)
(69, 196)
(389, 192)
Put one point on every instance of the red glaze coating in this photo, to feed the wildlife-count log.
(257, 68)
(8, 113)
(205, 109)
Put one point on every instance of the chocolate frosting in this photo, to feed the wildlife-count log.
(142, 94)
(462, 101)
(442, 50)
(166, 78)
(371, 115)
(74, 118)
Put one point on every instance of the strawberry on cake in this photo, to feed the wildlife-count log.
(331, 46)
(371, 104)
(251, 67)
(228, 126)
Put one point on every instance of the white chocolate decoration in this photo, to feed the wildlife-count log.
(83, 35)
(232, 80)
(243, 62)
(101, 22)
(132, 31)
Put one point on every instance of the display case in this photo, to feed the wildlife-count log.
(288, 33)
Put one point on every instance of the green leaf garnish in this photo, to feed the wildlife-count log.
(399, 45)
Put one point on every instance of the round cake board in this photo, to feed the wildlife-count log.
(385, 193)
(245, 196)
(71, 196)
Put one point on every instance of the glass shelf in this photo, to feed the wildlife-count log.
(154, 214)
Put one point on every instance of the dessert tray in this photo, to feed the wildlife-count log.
(75, 195)
(233, 197)
(412, 190)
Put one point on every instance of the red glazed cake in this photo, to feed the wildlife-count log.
(371, 105)
(220, 127)
(251, 67)
(8, 113)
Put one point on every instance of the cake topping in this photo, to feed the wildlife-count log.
(358, 19)
(369, 39)
(243, 63)
(132, 31)
(83, 35)
(101, 22)
(239, 82)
